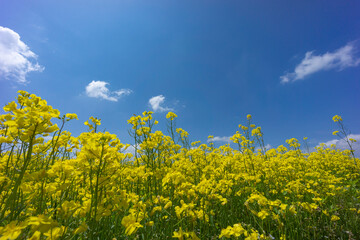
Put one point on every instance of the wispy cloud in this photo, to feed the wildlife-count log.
(98, 89)
(157, 104)
(219, 139)
(339, 59)
(342, 144)
(16, 59)
(123, 92)
(131, 149)
(267, 147)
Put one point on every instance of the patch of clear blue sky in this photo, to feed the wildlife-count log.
(214, 61)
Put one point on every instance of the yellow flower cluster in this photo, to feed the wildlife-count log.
(337, 118)
(57, 186)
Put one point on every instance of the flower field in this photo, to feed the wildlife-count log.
(93, 187)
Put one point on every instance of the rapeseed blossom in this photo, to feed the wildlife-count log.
(90, 187)
(337, 118)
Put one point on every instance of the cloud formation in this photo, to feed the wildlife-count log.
(219, 139)
(16, 59)
(131, 149)
(156, 103)
(98, 89)
(339, 59)
(267, 147)
(342, 144)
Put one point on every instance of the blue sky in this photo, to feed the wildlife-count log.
(291, 64)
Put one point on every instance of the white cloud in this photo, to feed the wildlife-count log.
(47, 138)
(157, 102)
(342, 144)
(339, 59)
(219, 139)
(16, 59)
(131, 149)
(267, 147)
(123, 92)
(98, 89)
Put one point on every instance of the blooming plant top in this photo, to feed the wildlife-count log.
(159, 187)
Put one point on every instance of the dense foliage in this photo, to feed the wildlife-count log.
(91, 187)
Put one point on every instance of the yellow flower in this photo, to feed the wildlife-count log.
(51, 129)
(283, 206)
(179, 234)
(130, 223)
(35, 236)
(337, 118)
(335, 133)
(252, 236)
(39, 220)
(155, 209)
(248, 117)
(334, 218)
(11, 231)
(150, 223)
(10, 107)
(292, 209)
(82, 228)
(167, 205)
(171, 115)
(263, 214)
(55, 233)
(227, 232)
(192, 236)
(89, 125)
(71, 116)
(238, 230)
